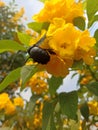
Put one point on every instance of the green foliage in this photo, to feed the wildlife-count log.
(31, 104)
(85, 111)
(10, 78)
(94, 19)
(68, 104)
(93, 87)
(79, 22)
(58, 106)
(26, 73)
(77, 65)
(92, 8)
(47, 120)
(9, 59)
(24, 38)
(7, 26)
(9, 45)
(42, 0)
(54, 84)
(38, 26)
(96, 37)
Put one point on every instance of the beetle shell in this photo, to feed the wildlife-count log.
(39, 55)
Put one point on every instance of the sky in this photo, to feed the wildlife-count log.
(32, 7)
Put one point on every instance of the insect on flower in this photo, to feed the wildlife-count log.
(39, 54)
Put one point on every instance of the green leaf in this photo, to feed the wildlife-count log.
(27, 72)
(5, 128)
(93, 87)
(74, 74)
(96, 37)
(79, 22)
(74, 125)
(68, 104)
(31, 104)
(54, 84)
(92, 8)
(9, 45)
(77, 65)
(52, 124)
(11, 77)
(47, 118)
(94, 19)
(85, 111)
(42, 0)
(24, 38)
(38, 26)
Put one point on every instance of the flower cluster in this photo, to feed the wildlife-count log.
(68, 43)
(8, 106)
(66, 9)
(36, 122)
(93, 107)
(18, 15)
(86, 76)
(38, 82)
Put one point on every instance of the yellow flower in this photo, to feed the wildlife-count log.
(86, 79)
(80, 127)
(63, 39)
(38, 82)
(6, 104)
(37, 120)
(93, 107)
(55, 66)
(4, 99)
(18, 101)
(2, 4)
(85, 48)
(68, 44)
(85, 41)
(67, 9)
(18, 15)
(10, 108)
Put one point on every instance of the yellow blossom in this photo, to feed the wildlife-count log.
(10, 108)
(85, 41)
(86, 79)
(93, 107)
(18, 101)
(37, 120)
(56, 66)
(64, 39)
(31, 32)
(68, 44)
(67, 9)
(2, 4)
(18, 15)
(6, 104)
(38, 82)
(4, 99)
(80, 127)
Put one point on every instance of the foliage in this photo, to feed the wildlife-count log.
(64, 34)
(11, 19)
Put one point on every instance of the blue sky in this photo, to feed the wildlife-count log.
(31, 7)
